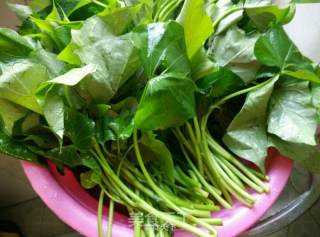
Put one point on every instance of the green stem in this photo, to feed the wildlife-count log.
(119, 192)
(208, 187)
(100, 215)
(181, 138)
(159, 8)
(110, 220)
(111, 196)
(137, 228)
(165, 13)
(225, 154)
(210, 166)
(228, 12)
(189, 182)
(132, 180)
(197, 213)
(160, 192)
(231, 174)
(213, 221)
(196, 147)
(145, 206)
(229, 183)
(99, 3)
(243, 177)
(250, 174)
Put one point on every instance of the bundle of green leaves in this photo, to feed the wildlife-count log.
(153, 101)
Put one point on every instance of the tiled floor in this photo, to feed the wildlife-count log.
(35, 219)
(14, 186)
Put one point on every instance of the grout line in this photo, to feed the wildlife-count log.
(19, 203)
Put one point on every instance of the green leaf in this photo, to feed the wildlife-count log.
(221, 83)
(74, 76)
(54, 14)
(42, 140)
(159, 155)
(60, 35)
(120, 19)
(115, 58)
(14, 44)
(247, 134)
(21, 11)
(113, 128)
(81, 9)
(68, 55)
(19, 82)
(71, 157)
(53, 111)
(168, 101)
(264, 16)
(235, 50)
(196, 23)
(49, 60)
(224, 14)
(315, 89)
(162, 48)
(86, 180)
(29, 122)
(274, 48)
(70, 6)
(15, 149)
(79, 128)
(305, 155)
(292, 116)
(117, 121)
(201, 65)
(37, 5)
(10, 113)
(303, 74)
(49, 97)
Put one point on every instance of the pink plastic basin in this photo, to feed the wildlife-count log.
(73, 205)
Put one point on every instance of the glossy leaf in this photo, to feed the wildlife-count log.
(115, 58)
(117, 121)
(14, 44)
(221, 83)
(247, 134)
(120, 20)
(162, 48)
(305, 155)
(315, 90)
(19, 82)
(157, 153)
(196, 23)
(276, 49)
(201, 65)
(303, 74)
(74, 76)
(264, 16)
(10, 113)
(49, 60)
(292, 116)
(15, 149)
(168, 101)
(79, 128)
(235, 50)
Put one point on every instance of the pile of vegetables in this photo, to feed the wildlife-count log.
(153, 101)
